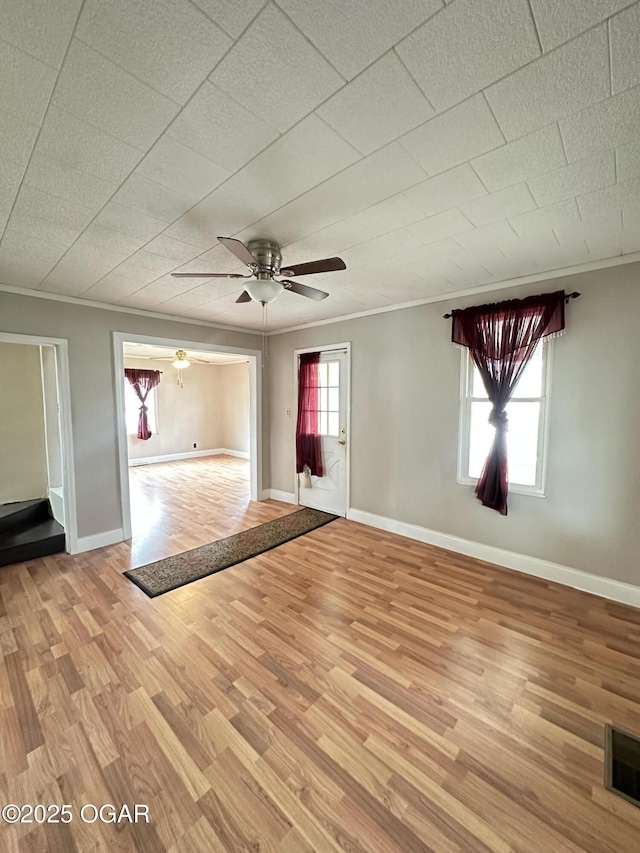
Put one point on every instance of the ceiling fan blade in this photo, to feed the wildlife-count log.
(239, 250)
(325, 265)
(304, 290)
(244, 297)
(209, 275)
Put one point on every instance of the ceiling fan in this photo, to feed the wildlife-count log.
(264, 259)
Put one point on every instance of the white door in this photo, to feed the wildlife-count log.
(329, 492)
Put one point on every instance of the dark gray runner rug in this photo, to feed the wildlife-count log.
(181, 569)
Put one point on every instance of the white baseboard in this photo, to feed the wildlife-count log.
(277, 495)
(56, 502)
(192, 454)
(576, 578)
(98, 540)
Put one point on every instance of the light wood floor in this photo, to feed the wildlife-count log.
(180, 505)
(349, 690)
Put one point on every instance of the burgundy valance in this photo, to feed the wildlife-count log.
(521, 320)
(502, 338)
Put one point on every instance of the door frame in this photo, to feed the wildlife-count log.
(66, 430)
(254, 357)
(346, 348)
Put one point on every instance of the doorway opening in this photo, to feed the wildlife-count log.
(37, 489)
(330, 492)
(189, 473)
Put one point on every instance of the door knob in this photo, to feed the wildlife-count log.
(342, 441)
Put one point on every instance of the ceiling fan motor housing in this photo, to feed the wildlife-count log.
(268, 255)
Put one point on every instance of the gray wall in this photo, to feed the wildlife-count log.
(23, 458)
(88, 331)
(405, 406)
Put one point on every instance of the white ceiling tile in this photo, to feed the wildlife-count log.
(275, 72)
(468, 46)
(177, 167)
(367, 182)
(156, 293)
(38, 239)
(145, 267)
(10, 177)
(559, 21)
(80, 267)
(63, 181)
(352, 35)
(216, 259)
(25, 85)
(20, 269)
(612, 122)
(170, 248)
(370, 223)
(203, 293)
(499, 205)
(16, 140)
(113, 288)
(628, 160)
(148, 197)
(610, 198)
(219, 128)
(447, 190)
(104, 95)
(624, 33)
(592, 173)
(386, 246)
(113, 241)
(545, 218)
(556, 85)
(399, 106)
(531, 155)
(305, 156)
(68, 139)
(39, 27)
(130, 222)
(231, 15)
(170, 46)
(442, 225)
(33, 203)
(454, 137)
(498, 234)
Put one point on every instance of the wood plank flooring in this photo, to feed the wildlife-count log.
(176, 506)
(348, 691)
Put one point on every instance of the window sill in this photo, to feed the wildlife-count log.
(514, 489)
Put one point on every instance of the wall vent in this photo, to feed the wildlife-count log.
(622, 764)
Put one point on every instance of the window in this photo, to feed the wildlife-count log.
(526, 436)
(132, 409)
(329, 412)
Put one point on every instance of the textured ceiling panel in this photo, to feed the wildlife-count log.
(435, 146)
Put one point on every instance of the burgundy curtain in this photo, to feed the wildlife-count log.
(142, 381)
(308, 441)
(501, 339)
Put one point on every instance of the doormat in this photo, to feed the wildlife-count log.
(173, 572)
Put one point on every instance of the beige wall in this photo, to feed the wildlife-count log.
(23, 461)
(88, 331)
(405, 404)
(51, 417)
(211, 410)
(235, 406)
(186, 416)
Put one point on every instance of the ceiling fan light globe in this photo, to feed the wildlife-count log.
(264, 291)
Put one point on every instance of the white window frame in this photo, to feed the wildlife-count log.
(466, 385)
(153, 396)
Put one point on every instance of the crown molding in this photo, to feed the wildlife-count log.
(561, 272)
(121, 309)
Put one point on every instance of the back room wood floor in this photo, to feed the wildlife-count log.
(350, 690)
